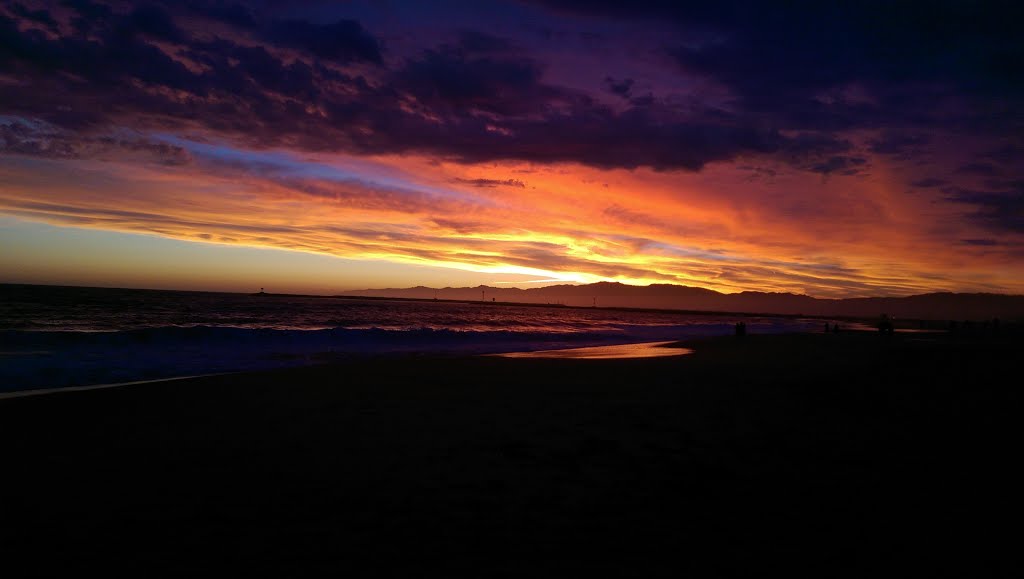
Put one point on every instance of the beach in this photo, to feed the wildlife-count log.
(831, 454)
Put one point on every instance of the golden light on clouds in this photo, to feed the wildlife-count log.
(563, 223)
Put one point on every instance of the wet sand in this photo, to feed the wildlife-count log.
(827, 455)
(614, 352)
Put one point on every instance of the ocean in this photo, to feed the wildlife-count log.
(56, 337)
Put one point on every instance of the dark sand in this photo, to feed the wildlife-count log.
(828, 455)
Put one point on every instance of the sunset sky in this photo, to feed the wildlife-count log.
(832, 149)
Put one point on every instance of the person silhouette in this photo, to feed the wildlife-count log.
(885, 325)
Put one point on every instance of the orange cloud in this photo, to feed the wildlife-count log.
(716, 229)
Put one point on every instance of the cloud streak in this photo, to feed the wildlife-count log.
(787, 148)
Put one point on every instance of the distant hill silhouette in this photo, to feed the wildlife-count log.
(938, 306)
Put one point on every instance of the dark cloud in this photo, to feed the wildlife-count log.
(18, 138)
(929, 182)
(1007, 153)
(839, 164)
(622, 88)
(90, 9)
(998, 209)
(342, 41)
(980, 242)
(815, 142)
(475, 100)
(869, 39)
(33, 140)
(449, 80)
(642, 101)
(40, 16)
(979, 168)
(230, 13)
(154, 21)
(590, 134)
(843, 65)
(495, 107)
(792, 75)
(898, 143)
(252, 70)
(482, 42)
(492, 182)
(1005, 184)
(99, 66)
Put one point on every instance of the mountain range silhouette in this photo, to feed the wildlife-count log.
(936, 306)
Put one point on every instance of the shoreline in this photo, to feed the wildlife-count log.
(617, 350)
(607, 351)
(264, 356)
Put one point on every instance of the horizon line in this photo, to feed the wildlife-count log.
(342, 293)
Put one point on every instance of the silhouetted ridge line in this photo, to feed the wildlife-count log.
(937, 306)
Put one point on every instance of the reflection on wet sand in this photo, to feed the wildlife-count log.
(643, 350)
